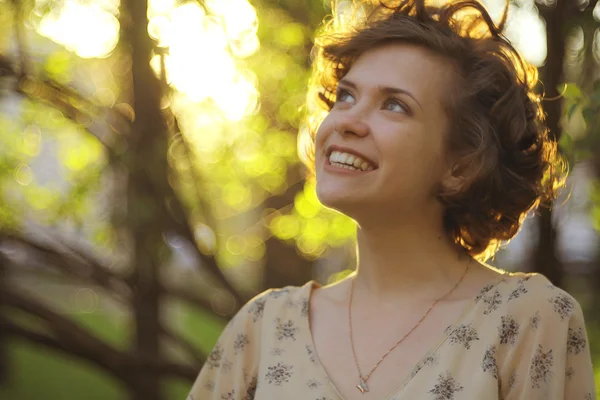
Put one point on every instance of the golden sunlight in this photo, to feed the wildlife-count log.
(524, 28)
(88, 29)
(202, 51)
(527, 32)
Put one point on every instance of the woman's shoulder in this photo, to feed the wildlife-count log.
(277, 302)
(532, 296)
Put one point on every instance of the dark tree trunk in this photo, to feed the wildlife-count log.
(283, 265)
(545, 257)
(148, 167)
(546, 260)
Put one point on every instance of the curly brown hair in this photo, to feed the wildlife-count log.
(497, 126)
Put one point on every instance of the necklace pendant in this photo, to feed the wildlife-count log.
(362, 386)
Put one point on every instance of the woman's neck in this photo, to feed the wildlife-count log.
(408, 260)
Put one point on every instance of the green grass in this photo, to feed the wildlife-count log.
(594, 339)
(38, 373)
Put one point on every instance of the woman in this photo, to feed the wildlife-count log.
(433, 141)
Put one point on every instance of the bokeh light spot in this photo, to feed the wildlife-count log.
(85, 300)
(236, 244)
(23, 174)
(285, 227)
(310, 246)
(205, 238)
(255, 249)
(32, 140)
(237, 195)
(222, 302)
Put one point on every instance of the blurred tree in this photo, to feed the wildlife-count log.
(137, 140)
(561, 18)
(581, 139)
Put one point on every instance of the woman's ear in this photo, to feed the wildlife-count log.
(458, 178)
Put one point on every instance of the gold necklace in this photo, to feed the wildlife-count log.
(362, 385)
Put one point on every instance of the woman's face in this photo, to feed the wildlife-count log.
(389, 109)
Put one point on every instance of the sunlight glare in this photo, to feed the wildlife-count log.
(202, 52)
(240, 20)
(158, 29)
(237, 100)
(527, 32)
(86, 29)
(245, 48)
(159, 7)
(524, 28)
(197, 64)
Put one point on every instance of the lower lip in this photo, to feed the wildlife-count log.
(344, 171)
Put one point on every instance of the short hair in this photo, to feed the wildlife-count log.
(497, 128)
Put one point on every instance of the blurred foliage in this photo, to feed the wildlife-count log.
(582, 122)
(242, 161)
(581, 139)
(232, 87)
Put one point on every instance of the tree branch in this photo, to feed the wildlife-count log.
(73, 339)
(83, 267)
(88, 268)
(186, 345)
(63, 98)
(37, 338)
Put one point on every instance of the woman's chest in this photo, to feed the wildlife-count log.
(387, 353)
(451, 372)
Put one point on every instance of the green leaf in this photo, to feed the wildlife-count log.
(589, 115)
(572, 109)
(570, 91)
(566, 142)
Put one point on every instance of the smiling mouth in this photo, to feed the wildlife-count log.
(341, 159)
(345, 168)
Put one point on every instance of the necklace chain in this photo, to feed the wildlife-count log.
(362, 386)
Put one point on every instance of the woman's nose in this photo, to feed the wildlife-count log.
(351, 124)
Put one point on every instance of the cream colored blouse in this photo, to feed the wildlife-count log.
(520, 338)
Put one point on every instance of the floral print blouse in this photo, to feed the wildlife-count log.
(519, 339)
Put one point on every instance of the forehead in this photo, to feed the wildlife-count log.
(405, 66)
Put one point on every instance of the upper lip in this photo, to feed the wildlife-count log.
(343, 149)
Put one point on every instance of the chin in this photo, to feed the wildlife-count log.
(338, 201)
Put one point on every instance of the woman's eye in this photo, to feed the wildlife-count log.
(344, 96)
(395, 106)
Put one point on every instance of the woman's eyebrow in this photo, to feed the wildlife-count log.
(383, 89)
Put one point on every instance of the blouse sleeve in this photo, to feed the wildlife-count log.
(553, 362)
(231, 367)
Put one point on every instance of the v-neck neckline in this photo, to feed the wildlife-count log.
(309, 287)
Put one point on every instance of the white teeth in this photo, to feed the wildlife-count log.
(345, 166)
(350, 160)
